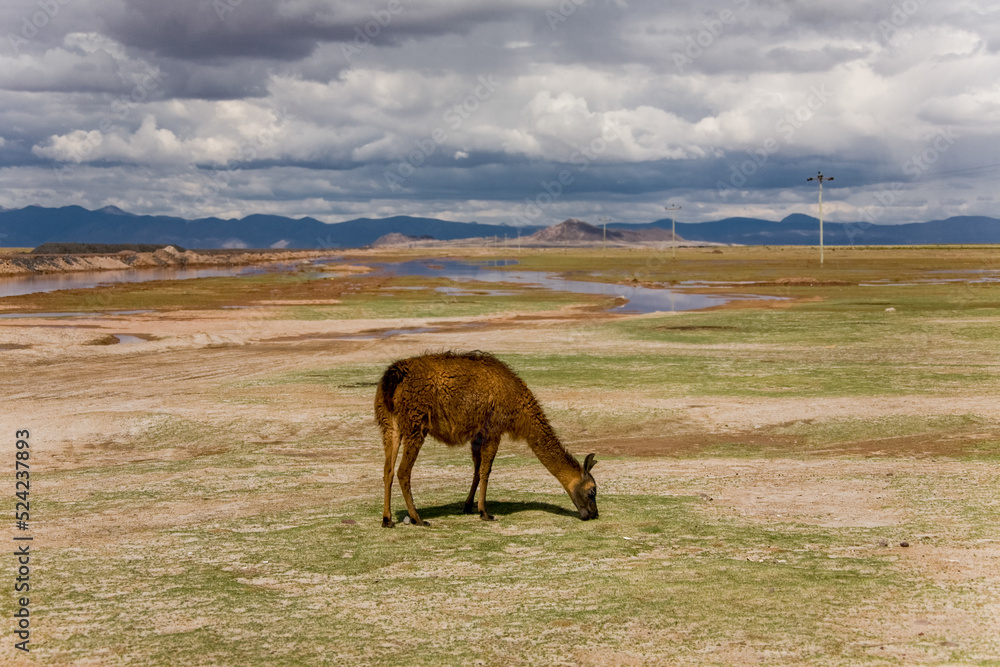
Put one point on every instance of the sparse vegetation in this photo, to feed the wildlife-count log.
(760, 469)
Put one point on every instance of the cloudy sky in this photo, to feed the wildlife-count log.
(523, 111)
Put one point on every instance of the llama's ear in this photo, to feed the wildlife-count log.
(589, 462)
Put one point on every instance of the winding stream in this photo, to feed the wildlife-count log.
(640, 299)
(632, 299)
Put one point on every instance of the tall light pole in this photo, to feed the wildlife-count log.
(673, 227)
(605, 220)
(820, 177)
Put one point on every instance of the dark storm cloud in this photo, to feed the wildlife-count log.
(218, 79)
(197, 29)
(343, 108)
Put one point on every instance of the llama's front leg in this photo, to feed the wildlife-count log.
(411, 447)
(488, 453)
(390, 440)
(477, 445)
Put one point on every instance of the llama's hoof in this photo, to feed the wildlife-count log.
(388, 523)
(470, 508)
(487, 517)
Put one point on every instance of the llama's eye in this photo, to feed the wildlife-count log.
(593, 494)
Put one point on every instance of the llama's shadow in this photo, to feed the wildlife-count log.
(495, 508)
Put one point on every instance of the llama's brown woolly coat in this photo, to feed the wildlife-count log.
(476, 398)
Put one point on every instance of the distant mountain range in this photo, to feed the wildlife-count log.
(798, 229)
(33, 225)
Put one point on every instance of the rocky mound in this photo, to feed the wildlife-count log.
(573, 231)
(397, 239)
(570, 231)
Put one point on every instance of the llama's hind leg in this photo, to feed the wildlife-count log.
(390, 440)
(488, 453)
(470, 502)
(411, 447)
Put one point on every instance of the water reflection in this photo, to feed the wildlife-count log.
(639, 299)
(50, 282)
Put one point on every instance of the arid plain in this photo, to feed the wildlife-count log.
(806, 475)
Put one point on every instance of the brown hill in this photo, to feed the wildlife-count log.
(397, 239)
(573, 231)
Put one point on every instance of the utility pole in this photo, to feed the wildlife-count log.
(605, 220)
(820, 177)
(673, 226)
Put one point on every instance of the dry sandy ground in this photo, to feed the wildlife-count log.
(81, 401)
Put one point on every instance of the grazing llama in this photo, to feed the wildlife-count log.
(473, 397)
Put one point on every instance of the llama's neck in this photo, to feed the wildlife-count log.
(551, 453)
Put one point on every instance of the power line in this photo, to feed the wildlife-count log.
(967, 170)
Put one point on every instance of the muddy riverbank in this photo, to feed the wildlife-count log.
(169, 256)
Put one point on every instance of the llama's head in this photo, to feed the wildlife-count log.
(584, 493)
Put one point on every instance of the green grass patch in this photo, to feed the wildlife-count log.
(425, 301)
(853, 266)
(349, 378)
(738, 374)
(896, 426)
(304, 587)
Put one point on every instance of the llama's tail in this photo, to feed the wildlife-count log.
(391, 379)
